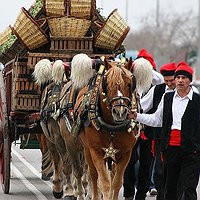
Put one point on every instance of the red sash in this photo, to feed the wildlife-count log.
(175, 138)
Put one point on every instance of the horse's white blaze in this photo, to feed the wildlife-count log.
(119, 94)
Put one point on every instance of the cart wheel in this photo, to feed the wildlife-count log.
(4, 140)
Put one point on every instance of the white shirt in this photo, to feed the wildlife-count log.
(147, 100)
(178, 108)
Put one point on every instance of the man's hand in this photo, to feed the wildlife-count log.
(132, 114)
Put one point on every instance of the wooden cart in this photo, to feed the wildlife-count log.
(35, 38)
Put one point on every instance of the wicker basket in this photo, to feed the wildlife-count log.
(55, 8)
(28, 31)
(65, 27)
(84, 9)
(112, 33)
(5, 35)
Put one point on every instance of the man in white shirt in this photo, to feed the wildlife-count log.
(178, 114)
(149, 142)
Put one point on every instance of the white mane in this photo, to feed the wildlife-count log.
(143, 73)
(42, 71)
(81, 70)
(58, 71)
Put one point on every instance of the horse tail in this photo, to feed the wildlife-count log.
(58, 71)
(42, 72)
(143, 73)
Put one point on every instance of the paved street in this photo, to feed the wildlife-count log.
(25, 178)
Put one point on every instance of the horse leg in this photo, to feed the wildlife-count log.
(57, 178)
(87, 182)
(93, 174)
(77, 170)
(66, 164)
(103, 173)
(118, 174)
(46, 160)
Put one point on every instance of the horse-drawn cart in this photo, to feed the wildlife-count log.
(46, 31)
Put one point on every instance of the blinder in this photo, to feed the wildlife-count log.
(104, 85)
(133, 84)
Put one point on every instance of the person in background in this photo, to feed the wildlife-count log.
(149, 104)
(142, 149)
(178, 114)
(157, 77)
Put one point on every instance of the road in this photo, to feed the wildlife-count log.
(25, 177)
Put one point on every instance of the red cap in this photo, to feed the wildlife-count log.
(168, 69)
(143, 53)
(184, 69)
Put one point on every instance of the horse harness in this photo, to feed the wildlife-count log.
(90, 110)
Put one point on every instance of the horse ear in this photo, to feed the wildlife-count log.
(129, 64)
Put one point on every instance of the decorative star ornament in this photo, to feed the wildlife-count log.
(110, 152)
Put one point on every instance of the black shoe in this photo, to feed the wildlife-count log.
(129, 198)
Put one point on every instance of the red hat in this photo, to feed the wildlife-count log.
(143, 53)
(184, 69)
(168, 69)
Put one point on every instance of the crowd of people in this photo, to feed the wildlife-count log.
(166, 158)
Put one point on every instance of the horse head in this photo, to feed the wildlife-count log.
(118, 85)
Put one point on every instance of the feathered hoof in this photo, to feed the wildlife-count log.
(45, 177)
(58, 195)
(70, 198)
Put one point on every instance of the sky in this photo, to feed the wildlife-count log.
(137, 9)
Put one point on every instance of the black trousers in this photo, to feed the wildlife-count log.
(158, 171)
(181, 174)
(129, 183)
(144, 173)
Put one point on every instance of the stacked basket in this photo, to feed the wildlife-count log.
(112, 33)
(5, 35)
(55, 8)
(82, 8)
(29, 31)
(69, 32)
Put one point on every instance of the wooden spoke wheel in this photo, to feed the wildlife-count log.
(4, 140)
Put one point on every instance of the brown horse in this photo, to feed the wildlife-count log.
(66, 151)
(44, 73)
(81, 73)
(108, 135)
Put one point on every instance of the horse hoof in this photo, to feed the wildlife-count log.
(45, 177)
(58, 195)
(70, 198)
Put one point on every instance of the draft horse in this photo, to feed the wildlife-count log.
(107, 134)
(51, 76)
(81, 72)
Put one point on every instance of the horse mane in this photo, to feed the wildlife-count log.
(58, 71)
(115, 79)
(81, 70)
(42, 72)
(143, 73)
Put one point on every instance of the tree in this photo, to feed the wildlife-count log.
(172, 40)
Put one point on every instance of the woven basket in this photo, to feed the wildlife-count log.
(55, 8)
(112, 33)
(28, 31)
(84, 9)
(5, 35)
(65, 27)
